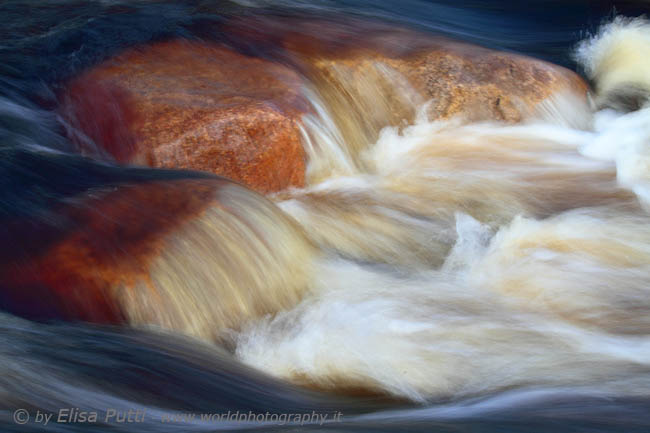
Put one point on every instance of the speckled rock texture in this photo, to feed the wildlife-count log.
(207, 107)
(196, 106)
(458, 78)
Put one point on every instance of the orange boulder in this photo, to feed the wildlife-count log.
(458, 78)
(182, 104)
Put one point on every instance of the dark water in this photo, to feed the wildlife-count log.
(48, 366)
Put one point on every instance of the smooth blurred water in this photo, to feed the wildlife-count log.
(473, 277)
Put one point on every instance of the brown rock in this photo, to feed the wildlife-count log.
(459, 77)
(197, 106)
(380, 74)
(483, 84)
(195, 256)
(206, 107)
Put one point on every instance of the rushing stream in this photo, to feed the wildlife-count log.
(450, 275)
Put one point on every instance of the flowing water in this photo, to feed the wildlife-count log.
(475, 258)
(455, 275)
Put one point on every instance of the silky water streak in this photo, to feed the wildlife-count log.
(465, 259)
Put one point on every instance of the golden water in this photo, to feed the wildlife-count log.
(459, 259)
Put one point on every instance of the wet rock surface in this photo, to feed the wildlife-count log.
(195, 106)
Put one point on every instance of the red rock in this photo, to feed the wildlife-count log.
(102, 113)
(194, 256)
(197, 106)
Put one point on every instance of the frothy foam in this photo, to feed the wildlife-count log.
(471, 258)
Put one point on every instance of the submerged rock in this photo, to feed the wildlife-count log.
(197, 106)
(378, 74)
(196, 256)
(459, 78)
